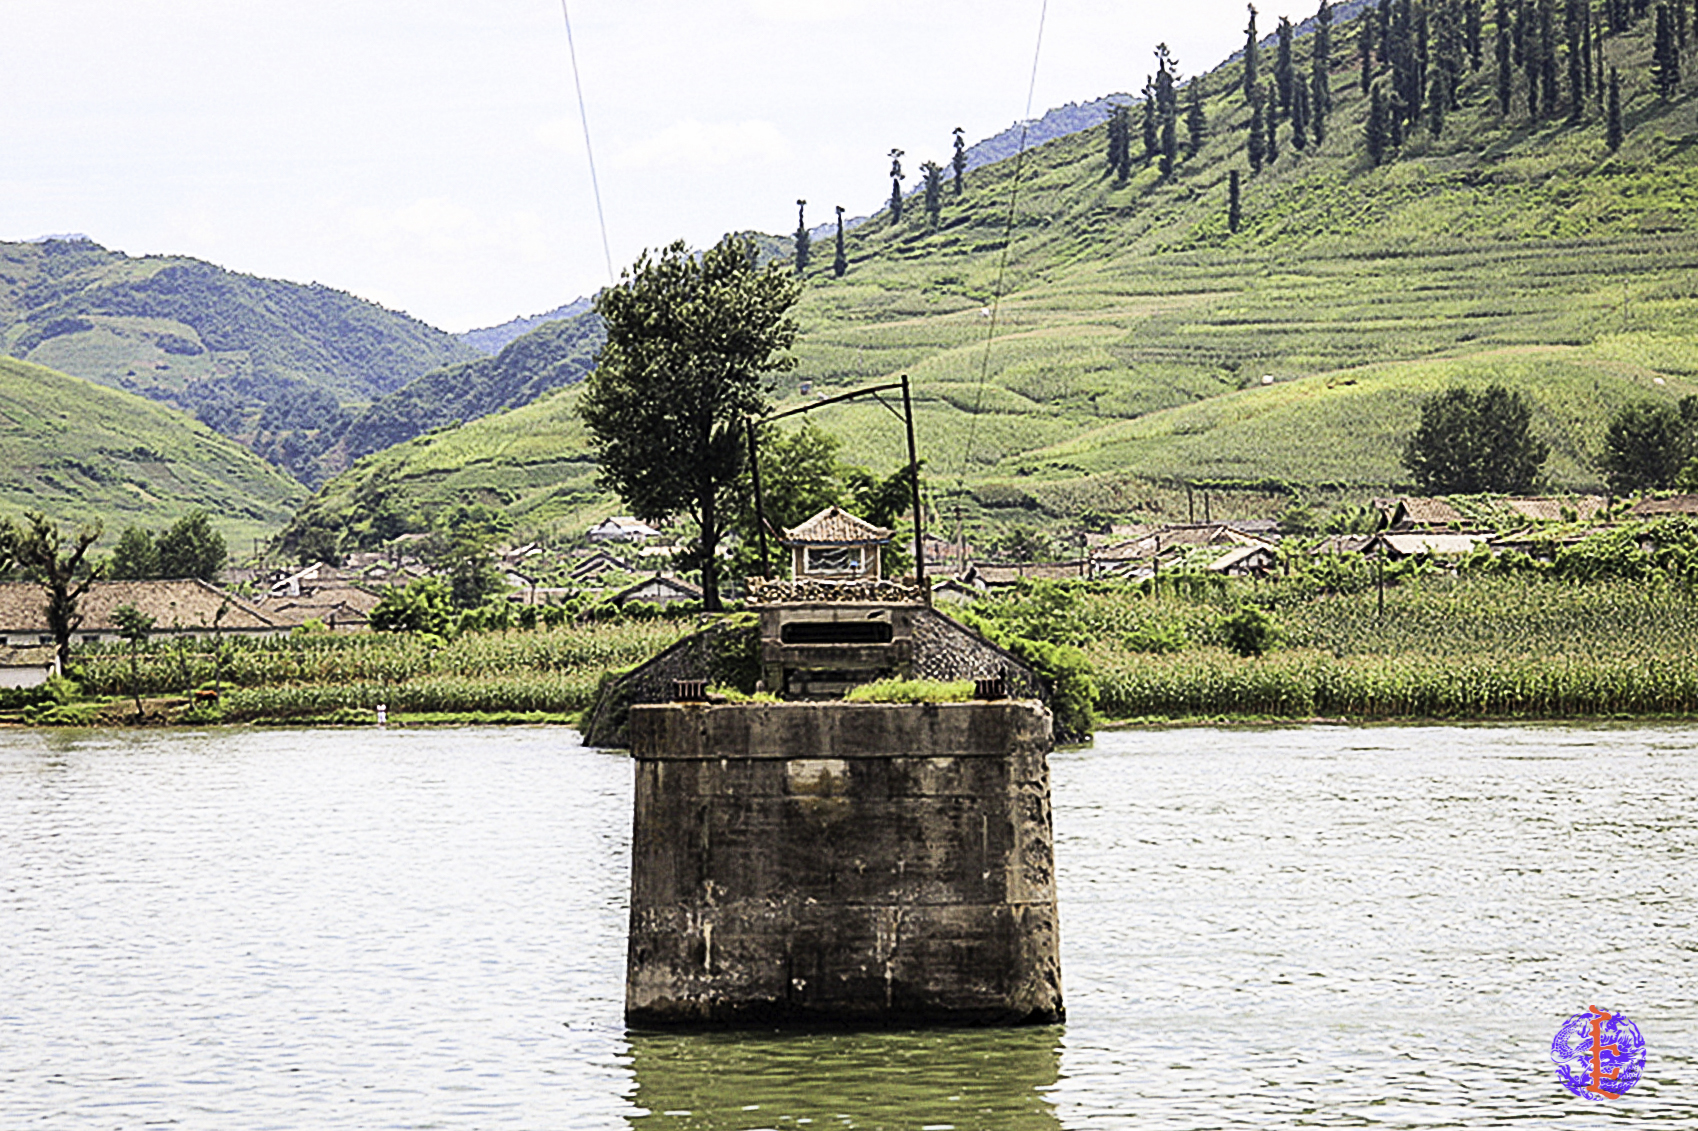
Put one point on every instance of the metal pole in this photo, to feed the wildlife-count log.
(914, 480)
(1380, 580)
(760, 508)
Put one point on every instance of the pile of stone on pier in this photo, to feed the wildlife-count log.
(808, 591)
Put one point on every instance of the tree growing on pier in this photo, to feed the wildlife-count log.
(690, 342)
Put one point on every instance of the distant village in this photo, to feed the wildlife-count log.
(621, 563)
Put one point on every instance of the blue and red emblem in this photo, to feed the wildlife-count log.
(1599, 1055)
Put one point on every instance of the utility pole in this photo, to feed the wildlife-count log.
(914, 480)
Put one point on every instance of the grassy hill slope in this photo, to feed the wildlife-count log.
(1128, 350)
(268, 362)
(532, 463)
(80, 452)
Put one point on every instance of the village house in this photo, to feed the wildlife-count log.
(186, 607)
(323, 594)
(1191, 544)
(589, 568)
(1246, 561)
(1558, 508)
(658, 590)
(951, 590)
(1415, 513)
(1001, 575)
(1411, 544)
(1670, 505)
(621, 528)
(26, 666)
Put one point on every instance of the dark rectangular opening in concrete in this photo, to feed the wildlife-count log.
(838, 632)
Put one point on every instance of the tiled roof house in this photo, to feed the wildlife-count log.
(185, 607)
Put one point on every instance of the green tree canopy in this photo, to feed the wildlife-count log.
(690, 342)
(1647, 444)
(426, 605)
(1470, 442)
(461, 549)
(800, 475)
(192, 548)
(136, 557)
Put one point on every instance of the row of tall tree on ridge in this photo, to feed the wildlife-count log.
(1414, 59)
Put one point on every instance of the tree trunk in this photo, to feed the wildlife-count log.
(135, 681)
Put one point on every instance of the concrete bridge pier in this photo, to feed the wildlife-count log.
(841, 862)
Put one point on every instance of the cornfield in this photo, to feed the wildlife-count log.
(1308, 684)
(1443, 647)
(553, 666)
(532, 691)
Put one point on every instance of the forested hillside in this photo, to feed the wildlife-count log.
(1450, 192)
(548, 357)
(531, 465)
(270, 363)
(493, 339)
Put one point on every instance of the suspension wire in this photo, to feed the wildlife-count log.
(583, 116)
(1001, 273)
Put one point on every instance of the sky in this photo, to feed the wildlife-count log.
(429, 155)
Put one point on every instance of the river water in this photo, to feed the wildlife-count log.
(1315, 926)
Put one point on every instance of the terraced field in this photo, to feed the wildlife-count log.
(1081, 345)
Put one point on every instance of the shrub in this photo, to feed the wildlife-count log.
(1158, 638)
(1072, 683)
(1249, 631)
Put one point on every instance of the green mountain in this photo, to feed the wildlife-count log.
(1131, 347)
(493, 339)
(267, 362)
(80, 452)
(548, 357)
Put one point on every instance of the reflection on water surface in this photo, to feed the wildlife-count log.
(962, 1078)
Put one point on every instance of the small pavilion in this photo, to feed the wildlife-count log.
(834, 545)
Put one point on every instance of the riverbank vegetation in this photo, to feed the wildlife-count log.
(1602, 625)
(541, 674)
(1475, 642)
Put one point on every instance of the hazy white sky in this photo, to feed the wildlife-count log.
(428, 154)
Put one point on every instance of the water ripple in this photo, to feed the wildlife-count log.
(1318, 926)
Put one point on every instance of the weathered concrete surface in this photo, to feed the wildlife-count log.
(931, 646)
(842, 862)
